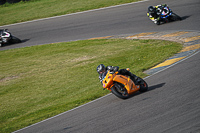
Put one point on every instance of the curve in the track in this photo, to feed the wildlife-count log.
(171, 105)
(189, 39)
(129, 18)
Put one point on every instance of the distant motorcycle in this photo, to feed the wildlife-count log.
(7, 38)
(167, 15)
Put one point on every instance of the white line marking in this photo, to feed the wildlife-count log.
(105, 95)
(75, 13)
(63, 113)
(173, 64)
(109, 93)
(69, 15)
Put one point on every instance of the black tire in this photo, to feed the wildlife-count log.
(143, 86)
(15, 40)
(119, 90)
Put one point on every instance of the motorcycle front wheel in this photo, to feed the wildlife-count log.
(119, 90)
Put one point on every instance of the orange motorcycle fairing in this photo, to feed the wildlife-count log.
(121, 85)
(108, 81)
(127, 82)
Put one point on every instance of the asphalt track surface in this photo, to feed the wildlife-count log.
(172, 104)
(125, 19)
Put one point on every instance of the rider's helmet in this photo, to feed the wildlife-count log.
(101, 68)
(151, 9)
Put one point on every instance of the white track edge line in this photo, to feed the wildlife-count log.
(105, 95)
(75, 13)
(174, 64)
(62, 113)
(62, 16)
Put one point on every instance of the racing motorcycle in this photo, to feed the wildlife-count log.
(6, 37)
(166, 14)
(122, 86)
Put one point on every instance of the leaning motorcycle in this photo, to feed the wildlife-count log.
(6, 37)
(166, 15)
(122, 86)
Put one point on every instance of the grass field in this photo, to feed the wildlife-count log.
(35, 9)
(41, 81)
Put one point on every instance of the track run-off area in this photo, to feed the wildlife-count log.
(172, 104)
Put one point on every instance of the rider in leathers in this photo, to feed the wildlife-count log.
(102, 70)
(154, 13)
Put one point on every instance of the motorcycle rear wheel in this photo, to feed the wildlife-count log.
(119, 90)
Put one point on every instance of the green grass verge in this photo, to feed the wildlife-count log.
(36, 9)
(42, 81)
